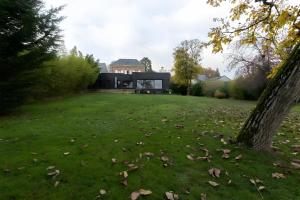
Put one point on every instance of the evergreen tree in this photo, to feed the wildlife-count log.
(29, 36)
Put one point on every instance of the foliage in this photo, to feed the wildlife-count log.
(193, 48)
(185, 68)
(211, 86)
(29, 36)
(211, 73)
(178, 88)
(148, 64)
(275, 23)
(197, 89)
(250, 86)
(65, 75)
(220, 95)
(73, 135)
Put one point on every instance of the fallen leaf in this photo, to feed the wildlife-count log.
(114, 160)
(164, 120)
(203, 196)
(171, 196)
(102, 191)
(164, 158)
(295, 165)
(124, 174)
(54, 173)
(125, 182)
(214, 172)
(145, 192)
(212, 183)
(56, 183)
(135, 195)
(261, 188)
(149, 154)
(239, 157)
(178, 126)
(50, 167)
(278, 175)
(252, 181)
(190, 157)
(66, 153)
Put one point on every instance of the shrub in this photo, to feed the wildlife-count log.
(210, 87)
(220, 95)
(248, 88)
(197, 89)
(65, 75)
(178, 88)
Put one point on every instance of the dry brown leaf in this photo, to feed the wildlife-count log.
(114, 160)
(295, 165)
(102, 191)
(226, 151)
(56, 183)
(50, 167)
(164, 158)
(125, 182)
(214, 172)
(149, 154)
(212, 183)
(190, 157)
(278, 175)
(135, 195)
(124, 174)
(261, 188)
(132, 167)
(239, 157)
(145, 192)
(54, 173)
(67, 153)
(203, 196)
(172, 196)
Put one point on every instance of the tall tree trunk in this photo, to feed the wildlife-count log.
(274, 104)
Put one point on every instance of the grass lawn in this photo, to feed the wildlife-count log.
(76, 139)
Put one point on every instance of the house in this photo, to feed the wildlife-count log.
(130, 74)
(205, 78)
(126, 66)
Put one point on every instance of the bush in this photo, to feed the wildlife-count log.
(220, 95)
(210, 88)
(197, 89)
(65, 75)
(247, 88)
(178, 88)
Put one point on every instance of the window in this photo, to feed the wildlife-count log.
(149, 84)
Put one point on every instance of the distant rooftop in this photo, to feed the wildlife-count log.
(131, 62)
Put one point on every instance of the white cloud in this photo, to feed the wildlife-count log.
(112, 29)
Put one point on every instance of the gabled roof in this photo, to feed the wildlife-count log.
(126, 62)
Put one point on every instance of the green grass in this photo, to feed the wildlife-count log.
(106, 126)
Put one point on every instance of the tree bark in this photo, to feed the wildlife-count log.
(281, 94)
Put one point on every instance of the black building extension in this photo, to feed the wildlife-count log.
(141, 82)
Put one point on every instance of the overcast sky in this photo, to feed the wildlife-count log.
(113, 29)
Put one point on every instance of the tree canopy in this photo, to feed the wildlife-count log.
(148, 64)
(29, 36)
(275, 23)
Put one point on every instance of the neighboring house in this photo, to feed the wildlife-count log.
(205, 78)
(126, 66)
(103, 68)
(130, 74)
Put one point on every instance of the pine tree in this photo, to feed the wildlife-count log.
(29, 35)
